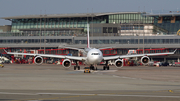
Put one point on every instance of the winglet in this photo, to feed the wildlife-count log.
(175, 50)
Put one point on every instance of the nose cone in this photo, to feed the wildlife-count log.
(95, 59)
(94, 56)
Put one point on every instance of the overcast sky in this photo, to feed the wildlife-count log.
(29, 7)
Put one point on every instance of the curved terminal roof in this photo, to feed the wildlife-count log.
(161, 14)
(64, 15)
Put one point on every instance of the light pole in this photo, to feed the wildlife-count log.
(143, 33)
(92, 26)
(40, 31)
(44, 32)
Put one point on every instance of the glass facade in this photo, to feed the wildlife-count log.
(166, 27)
(130, 18)
(42, 33)
(127, 23)
(55, 23)
(79, 22)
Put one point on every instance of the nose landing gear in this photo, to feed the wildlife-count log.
(93, 68)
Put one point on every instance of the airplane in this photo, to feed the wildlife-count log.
(92, 57)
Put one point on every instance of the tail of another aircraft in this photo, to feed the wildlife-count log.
(88, 43)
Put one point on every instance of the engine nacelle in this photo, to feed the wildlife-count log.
(38, 60)
(66, 63)
(145, 60)
(119, 63)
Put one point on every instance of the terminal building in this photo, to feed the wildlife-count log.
(120, 30)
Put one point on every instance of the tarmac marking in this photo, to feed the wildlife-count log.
(17, 93)
(81, 95)
(77, 96)
(127, 77)
(140, 96)
(171, 91)
(55, 98)
(38, 99)
(52, 93)
(62, 94)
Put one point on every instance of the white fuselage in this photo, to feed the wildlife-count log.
(94, 56)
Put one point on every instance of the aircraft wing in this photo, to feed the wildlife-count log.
(106, 48)
(50, 55)
(71, 48)
(136, 55)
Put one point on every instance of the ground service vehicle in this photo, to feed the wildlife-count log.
(1, 65)
(87, 70)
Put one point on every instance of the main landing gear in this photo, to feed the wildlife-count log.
(106, 66)
(78, 67)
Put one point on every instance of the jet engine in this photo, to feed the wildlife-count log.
(119, 63)
(38, 60)
(66, 63)
(145, 60)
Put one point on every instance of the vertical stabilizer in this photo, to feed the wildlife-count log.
(88, 44)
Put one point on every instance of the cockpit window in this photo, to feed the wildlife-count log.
(95, 54)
